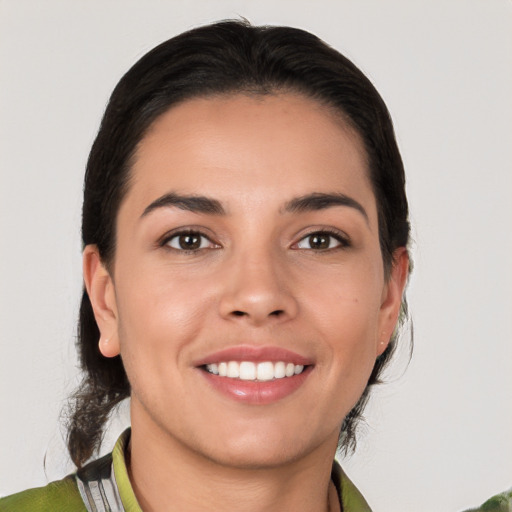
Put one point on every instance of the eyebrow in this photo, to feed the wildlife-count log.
(196, 204)
(321, 201)
(206, 205)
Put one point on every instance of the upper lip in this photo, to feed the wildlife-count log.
(256, 354)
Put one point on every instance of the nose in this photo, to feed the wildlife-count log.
(257, 290)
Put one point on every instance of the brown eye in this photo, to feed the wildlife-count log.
(189, 242)
(321, 241)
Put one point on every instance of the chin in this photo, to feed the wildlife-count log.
(261, 450)
(256, 457)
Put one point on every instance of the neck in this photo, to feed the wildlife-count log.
(163, 471)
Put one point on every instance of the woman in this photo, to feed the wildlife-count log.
(245, 231)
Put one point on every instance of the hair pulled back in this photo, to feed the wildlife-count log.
(224, 58)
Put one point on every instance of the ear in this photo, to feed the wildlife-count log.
(392, 298)
(101, 291)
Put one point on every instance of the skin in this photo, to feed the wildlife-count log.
(163, 308)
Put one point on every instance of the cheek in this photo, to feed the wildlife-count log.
(348, 296)
(159, 314)
(158, 320)
(345, 307)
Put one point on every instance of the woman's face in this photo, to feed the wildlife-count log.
(247, 242)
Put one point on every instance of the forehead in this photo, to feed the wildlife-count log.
(245, 146)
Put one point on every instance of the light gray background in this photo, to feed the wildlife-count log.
(439, 438)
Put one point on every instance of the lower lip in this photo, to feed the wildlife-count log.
(257, 393)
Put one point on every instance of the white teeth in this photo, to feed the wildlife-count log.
(247, 370)
(223, 369)
(233, 370)
(265, 371)
(279, 370)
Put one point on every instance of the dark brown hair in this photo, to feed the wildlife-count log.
(223, 58)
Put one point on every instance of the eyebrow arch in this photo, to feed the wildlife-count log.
(196, 204)
(321, 201)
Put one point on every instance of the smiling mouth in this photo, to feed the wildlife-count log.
(257, 372)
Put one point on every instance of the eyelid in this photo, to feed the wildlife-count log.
(164, 240)
(343, 239)
(340, 236)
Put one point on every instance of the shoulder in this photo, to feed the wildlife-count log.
(499, 503)
(351, 499)
(66, 495)
(58, 496)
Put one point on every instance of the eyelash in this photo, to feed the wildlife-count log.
(343, 241)
(165, 241)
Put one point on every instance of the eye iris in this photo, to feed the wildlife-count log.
(189, 241)
(319, 241)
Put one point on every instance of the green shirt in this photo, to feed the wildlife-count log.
(106, 479)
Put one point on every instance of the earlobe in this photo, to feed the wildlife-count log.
(109, 347)
(101, 291)
(392, 298)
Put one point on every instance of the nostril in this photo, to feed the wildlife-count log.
(277, 312)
